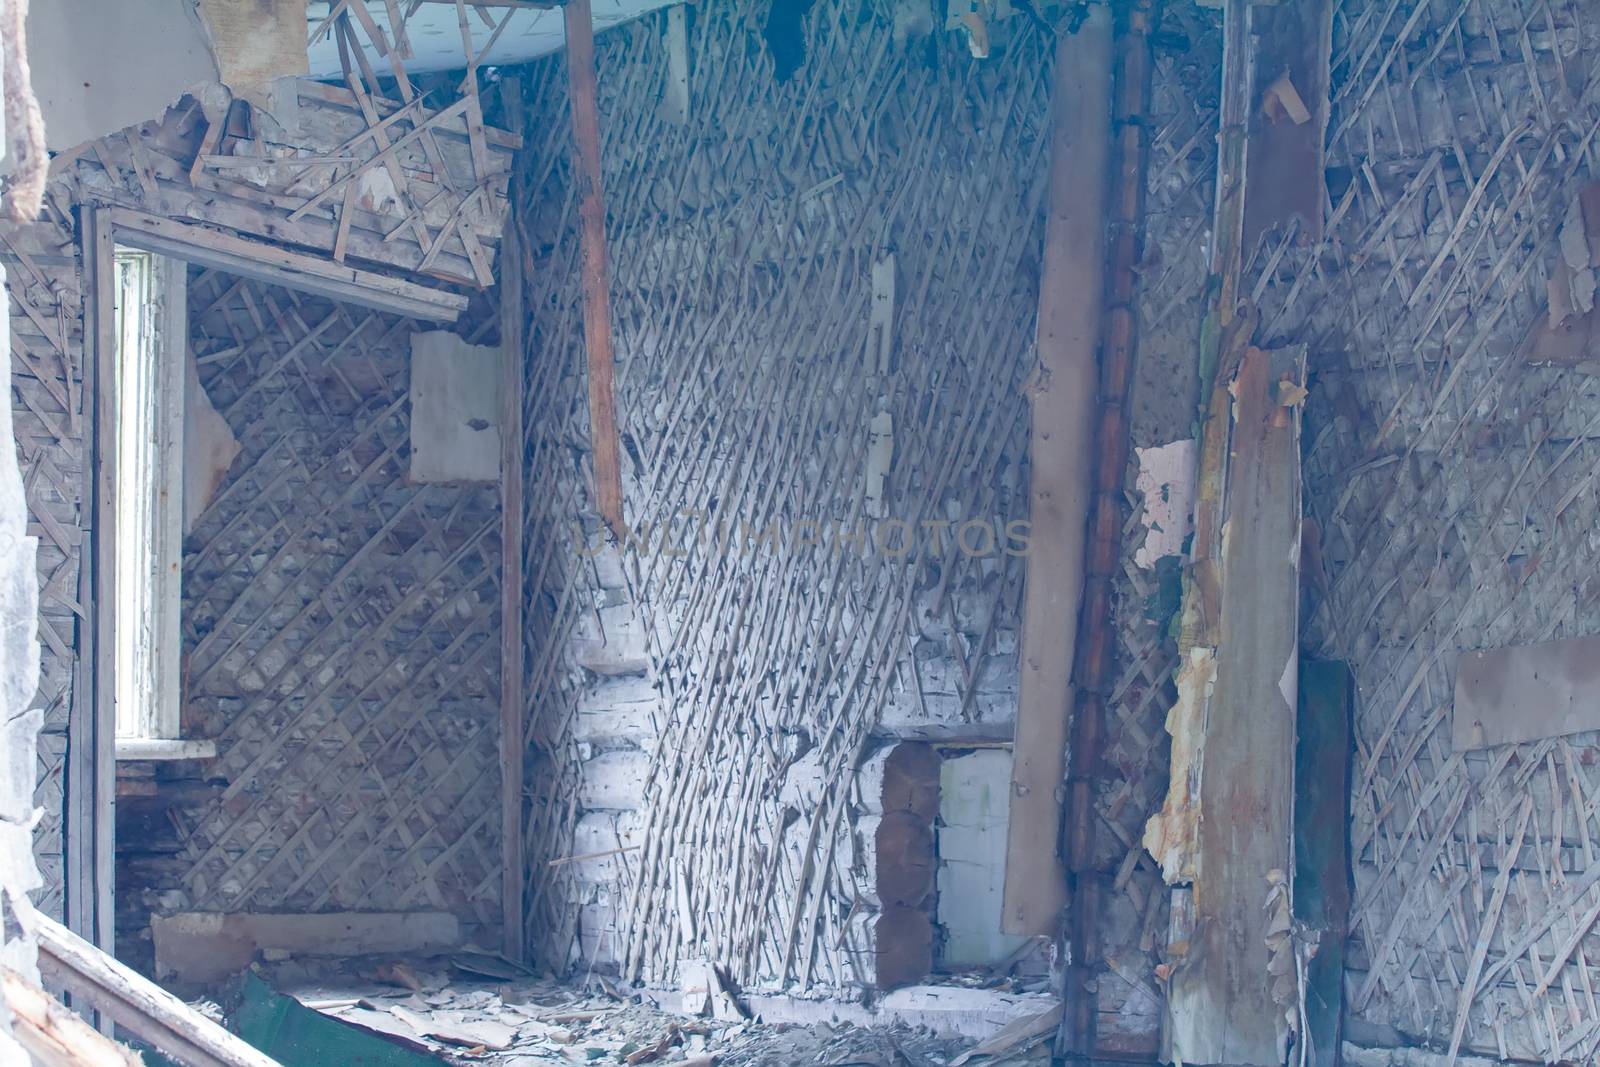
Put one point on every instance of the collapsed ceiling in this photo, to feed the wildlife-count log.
(518, 32)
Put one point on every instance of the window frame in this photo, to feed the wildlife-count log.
(91, 775)
(150, 312)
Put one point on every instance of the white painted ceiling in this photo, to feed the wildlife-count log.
(435, 34)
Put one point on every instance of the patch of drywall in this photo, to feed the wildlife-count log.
(974, 806)
(455, 409)
(100, 67)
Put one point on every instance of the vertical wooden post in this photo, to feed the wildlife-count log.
(1071, 294)
(172, 339)
(91, 727)
(512, 732)
(1222, 1002)
(1094, 668)
(582, 90)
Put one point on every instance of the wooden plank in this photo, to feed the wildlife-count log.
(1321, 843)
(172, 340)
(582, 89)
(91, 767)
(675, 100)
(273, 263)
(512, 727)
(1222, 1003)
(1525, 693)
(1290, 119)
(228, 208)
(51, 1034)
(136, 1003)
(1063, 394)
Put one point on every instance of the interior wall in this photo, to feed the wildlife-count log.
(168, 167)
(340, 634)
(1451, 484)
(703, 704)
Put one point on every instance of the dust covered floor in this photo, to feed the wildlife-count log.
(509, 1020)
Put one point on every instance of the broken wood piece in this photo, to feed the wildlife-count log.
(583, 91)
(497, 967)
(1283, 93)
(560, 861)
(273, 263)
(652, 1052)
(135, 1003)
(1015, 1036)
(50, 1032)
(478, 1033)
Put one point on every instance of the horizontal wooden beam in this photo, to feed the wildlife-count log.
(161, 748)
(49, 1032)
(135, 1003)
(280, 266)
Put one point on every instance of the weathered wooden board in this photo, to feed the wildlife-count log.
(1222, 1003)
(1526, 692)
(1060, 451)
(1290, 121)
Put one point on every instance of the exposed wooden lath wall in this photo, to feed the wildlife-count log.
(169, 167)
(340, 631)
(1453, 487)
(744, 245)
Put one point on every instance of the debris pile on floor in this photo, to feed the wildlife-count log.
(478, 1010)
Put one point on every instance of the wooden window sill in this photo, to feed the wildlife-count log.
(149, 748)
